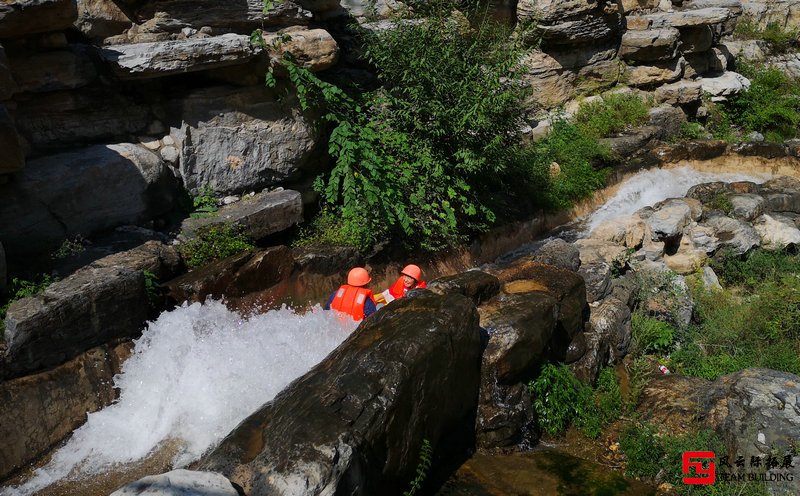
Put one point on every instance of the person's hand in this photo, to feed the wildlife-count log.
(380, 299)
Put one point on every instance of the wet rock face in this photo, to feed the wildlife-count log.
(355, 423)
(234, 276)
(38, 410)
(559, 253)
(474, 284)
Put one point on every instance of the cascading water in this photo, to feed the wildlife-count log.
(652, 186)
(643, 189)
(196, 372)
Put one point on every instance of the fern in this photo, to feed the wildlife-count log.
(423, 467)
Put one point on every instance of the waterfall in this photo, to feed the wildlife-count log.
(195, 373)
(649, 187)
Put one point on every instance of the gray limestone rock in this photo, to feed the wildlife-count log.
(143, 60)
(649, 45)
(180, 482)
(260, 215)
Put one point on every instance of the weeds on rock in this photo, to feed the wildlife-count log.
(213, 243)
(650, 335)
(22, 288)
(204, 204)
(780, 39)
(69, 247)
(616, 112)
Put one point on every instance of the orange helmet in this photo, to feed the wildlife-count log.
(358, 277)
(412, 271)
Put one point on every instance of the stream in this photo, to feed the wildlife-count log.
(200, 369)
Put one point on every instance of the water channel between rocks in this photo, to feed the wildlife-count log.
(200, 369)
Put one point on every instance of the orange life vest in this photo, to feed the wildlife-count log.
(350, 300)
(398, 289)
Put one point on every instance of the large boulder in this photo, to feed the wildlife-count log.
(784, 13)
(754, 411)
(777, 231)
(80, 193)
(746, 206)
(54, 70)
(520, 328)
(670, 217)
(179, 482)
(358, 419)
(611, 322)
(22, 17)
(240, 140)
(236, 159)
(679, 19)
(37, 411)
(733, 234)
(728, 84)
(559, 253)
(241, 17)
(679, 93)
(782, 194)
(260, 215)
(655, 74)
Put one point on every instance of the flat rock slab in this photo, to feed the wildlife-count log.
(681, 19)
(179, 482)
(21, 17)
(145, 60)
(93, 306)
(263, 214)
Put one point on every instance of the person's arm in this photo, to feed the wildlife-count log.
(330, 300)
(369, 307)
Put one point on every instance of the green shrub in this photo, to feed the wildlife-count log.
(152, 288)
(643, 450)
(328, 228)
(722, 202)
(690, 131)
(779, 38)
(616, 112)
(650, 335)
(448, 112)
(770, 106)
(213, 243)
(22, 288)
(575, 151)
(754, 323)
(69, 247)
(560, 399)
(204, 204)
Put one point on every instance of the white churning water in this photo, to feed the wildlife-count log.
(652, 186)
(196, 372)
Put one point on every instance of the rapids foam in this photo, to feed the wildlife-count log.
(649, 187)
(195, 373)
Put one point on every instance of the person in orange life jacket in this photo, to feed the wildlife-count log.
(353, 298)
(410, 278)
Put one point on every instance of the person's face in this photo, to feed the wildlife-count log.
(409, 281)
